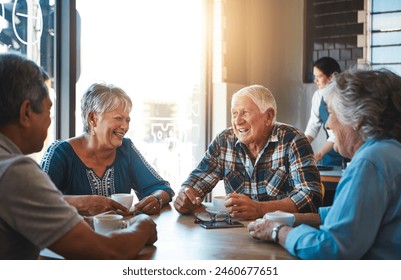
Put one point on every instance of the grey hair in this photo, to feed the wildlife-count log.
(369, 101)
(101, 98)
(20, 79)
(261, 96)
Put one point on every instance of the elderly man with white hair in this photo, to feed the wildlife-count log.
(266, 165)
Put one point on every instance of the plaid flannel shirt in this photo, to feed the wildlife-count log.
(284, 168)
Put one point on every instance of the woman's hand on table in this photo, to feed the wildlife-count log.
(261, 229)
(149, 205)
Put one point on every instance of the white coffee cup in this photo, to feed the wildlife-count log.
(125, 199)
(218, 203)
(105, 223)
(281, 217)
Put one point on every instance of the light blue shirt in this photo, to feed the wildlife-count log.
(364, 221)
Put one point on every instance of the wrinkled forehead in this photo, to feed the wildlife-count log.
(242, 102)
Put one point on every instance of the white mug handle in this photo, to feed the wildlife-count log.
(124, 224)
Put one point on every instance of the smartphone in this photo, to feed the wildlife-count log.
(210, 225)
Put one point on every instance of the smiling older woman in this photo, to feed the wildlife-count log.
(364, 220)
(89, 168)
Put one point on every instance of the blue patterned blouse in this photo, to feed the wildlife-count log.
(129, 171)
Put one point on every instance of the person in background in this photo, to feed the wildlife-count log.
(33, 213)
(265, 165)
(91, 167)
(324, 70)
(364, 220)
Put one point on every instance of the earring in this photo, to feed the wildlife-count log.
(93, 132)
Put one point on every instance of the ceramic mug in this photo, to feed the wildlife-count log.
(105, 223)
(281, 217)
(125, 199)
(218, 203)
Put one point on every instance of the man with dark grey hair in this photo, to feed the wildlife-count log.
(266, 165)
(33, 213)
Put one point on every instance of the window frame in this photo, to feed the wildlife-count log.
(65, 67)
(66, 57)
(374, 64)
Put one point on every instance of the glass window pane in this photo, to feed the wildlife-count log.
(386, 54)
(152, 50)
(386, 5)
(386, 35)
(386, 38)
(395, 68)
(385, 22)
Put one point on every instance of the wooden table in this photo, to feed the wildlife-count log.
(331, 176)
(179, 238)
(330, 179)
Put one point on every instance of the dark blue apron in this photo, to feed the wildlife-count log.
(332, 157)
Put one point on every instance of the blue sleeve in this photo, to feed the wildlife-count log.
(54, 163)
(145, 177)
(323, 211)
(351, 223)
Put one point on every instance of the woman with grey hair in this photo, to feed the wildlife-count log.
(364, 220)
(91, 167)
